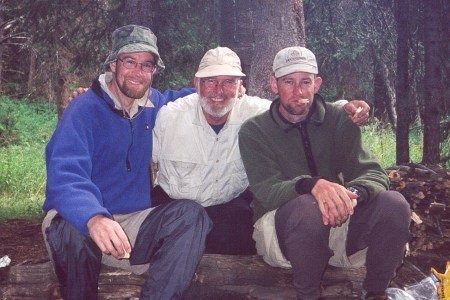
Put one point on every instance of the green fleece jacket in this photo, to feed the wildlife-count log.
(273, 151)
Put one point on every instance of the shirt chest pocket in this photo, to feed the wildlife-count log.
(186, 179)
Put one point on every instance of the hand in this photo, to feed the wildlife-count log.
(335, 202)
(109, 236)
(78, 92)
(358, 111)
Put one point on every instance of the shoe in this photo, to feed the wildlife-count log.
(376, 296)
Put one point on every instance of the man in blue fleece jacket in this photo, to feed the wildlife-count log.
(98, 183)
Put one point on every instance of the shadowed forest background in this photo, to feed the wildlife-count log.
(392, 53)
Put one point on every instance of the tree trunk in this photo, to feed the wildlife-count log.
(1, 51)
(1, 66)
(433, 89)
(63, 79)
(258, 30)
(139, 12)
(384, 104)
(32, 70)
(278, 24)
(402, 88)
(236, 31)
(445, 50)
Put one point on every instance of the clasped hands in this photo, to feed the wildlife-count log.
(335, 202)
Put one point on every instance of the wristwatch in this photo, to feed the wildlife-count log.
(357, 192)
(354, 191)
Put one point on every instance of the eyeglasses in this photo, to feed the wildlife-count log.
(130, 64)
(213, 82)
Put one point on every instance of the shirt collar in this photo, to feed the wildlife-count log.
(145, 101)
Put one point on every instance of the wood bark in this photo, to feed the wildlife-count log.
(1, 49)
(31, 70)
(277, 24)
(427, 189)
(217, 277)
(63, 79)
(236, 31)
(432, 82)
(139, 12)
(1, 66)
(257, 30)
(403, 102)
(386, 98)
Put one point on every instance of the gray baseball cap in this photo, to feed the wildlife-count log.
(294, 59)
(133, 38)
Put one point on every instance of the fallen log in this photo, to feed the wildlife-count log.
(217, 277)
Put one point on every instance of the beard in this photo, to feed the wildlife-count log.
(216, 111)
(296, 111)
(134, 92)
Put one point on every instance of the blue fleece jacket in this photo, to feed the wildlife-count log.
(98, 160)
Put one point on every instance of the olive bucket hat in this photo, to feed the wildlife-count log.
(133, 38)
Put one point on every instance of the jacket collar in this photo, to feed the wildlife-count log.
(315, 116)
(97, 88)
(145, 101)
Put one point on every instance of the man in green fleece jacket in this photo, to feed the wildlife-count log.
(320, 196)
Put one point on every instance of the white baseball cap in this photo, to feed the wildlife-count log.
(294, 59)
(219, 61)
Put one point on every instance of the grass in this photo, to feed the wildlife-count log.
(22, 166)
(22, 176)
(381, 141)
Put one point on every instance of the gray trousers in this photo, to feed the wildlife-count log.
(171, 240)
(381, 226)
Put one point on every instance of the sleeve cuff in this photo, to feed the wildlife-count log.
(363, 193)
(305, 185)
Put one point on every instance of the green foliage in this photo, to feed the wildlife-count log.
(60, 42)
(22, 176)
(185, 30)
(71, 40)
(343, 35)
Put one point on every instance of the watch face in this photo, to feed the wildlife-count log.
(354, 190)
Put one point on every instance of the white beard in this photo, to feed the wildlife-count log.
(216, 112)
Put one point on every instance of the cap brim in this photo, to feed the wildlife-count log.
(219, 70)
(295, 68)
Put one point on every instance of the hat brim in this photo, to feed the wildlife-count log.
(295, 68)
(133, 48)
(219, 70)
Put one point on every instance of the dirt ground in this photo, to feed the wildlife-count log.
(22, 240)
